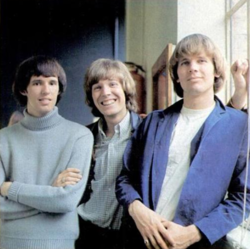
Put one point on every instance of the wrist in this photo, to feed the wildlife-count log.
(195, 234)
(132, 206)
(239, 99)
(4, 189)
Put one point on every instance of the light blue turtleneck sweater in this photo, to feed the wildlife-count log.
(33, 152)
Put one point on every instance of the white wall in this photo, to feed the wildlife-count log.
(206, 17)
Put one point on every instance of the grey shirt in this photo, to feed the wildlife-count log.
(103, 209)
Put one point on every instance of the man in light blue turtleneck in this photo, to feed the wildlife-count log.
(34, 213)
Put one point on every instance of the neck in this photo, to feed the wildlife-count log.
(110, 123)
(198, 102)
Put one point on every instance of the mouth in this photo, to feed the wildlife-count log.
(108, 102)
(194, 78)
(45, 100)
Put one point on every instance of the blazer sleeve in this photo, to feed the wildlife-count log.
(128, 180)
(57, 199)
(229, 214)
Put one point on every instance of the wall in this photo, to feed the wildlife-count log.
(76, 32)
(206, 17)
(150, 25)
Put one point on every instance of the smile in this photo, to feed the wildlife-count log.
(108, 102)
(45, 101)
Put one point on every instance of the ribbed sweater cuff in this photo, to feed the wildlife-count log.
(13, 191)
(14, 243)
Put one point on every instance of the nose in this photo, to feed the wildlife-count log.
(46, 88)
(193, 67)
(106, 90)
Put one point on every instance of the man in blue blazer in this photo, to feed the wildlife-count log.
(185, 167)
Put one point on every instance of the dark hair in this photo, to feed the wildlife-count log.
(194, 44)
(37, 66)
(102, 69)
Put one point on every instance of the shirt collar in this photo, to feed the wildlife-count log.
(120, 128)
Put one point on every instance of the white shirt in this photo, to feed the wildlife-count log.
(187, 126)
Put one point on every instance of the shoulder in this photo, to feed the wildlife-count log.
(160, 115)
(10, 130)
(76, 128)
(236, 115)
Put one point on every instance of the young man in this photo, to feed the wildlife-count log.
(181, 162)
(111, 93)
(35, 214)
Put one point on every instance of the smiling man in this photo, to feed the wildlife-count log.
(182, 184)
(111, 93)
(35, 214)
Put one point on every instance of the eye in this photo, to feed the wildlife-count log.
(202, 60)
(113, 83)
(96, 87)
(53, 83)
(183, 63)
(36, 83)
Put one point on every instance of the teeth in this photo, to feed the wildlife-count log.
(108, 102)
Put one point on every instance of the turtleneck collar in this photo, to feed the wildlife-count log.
(43, 123)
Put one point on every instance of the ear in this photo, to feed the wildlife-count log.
(178, 81)
(24, 93)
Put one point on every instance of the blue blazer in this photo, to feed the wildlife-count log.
(217, 169)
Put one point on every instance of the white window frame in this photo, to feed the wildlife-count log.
(240, 233)
(230, 11)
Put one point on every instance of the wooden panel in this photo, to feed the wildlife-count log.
(162, 83)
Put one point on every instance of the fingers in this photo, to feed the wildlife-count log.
(239, 67)
(156, 243)
(70, 176)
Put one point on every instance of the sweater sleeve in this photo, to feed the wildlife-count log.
(57, 199)
(11, 210)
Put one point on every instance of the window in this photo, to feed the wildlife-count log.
(238, 47)
(238, 33)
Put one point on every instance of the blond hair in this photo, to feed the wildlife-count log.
(195, 44)
(102, 69)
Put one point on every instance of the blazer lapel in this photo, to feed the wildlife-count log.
(160, 154)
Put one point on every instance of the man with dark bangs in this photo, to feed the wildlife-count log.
(34, 213)
(182, 183)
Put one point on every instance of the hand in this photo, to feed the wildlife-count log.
(150, 225)
(240, 73)
(5, 188)
(181, 236)
(70, 176)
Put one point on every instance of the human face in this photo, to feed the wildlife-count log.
(196, 75)
(109, 98)
(41, 95)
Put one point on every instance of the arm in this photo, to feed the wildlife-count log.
(229, 214)
(128, 191)
(240, 73)
(10, 210)
(53, 199)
